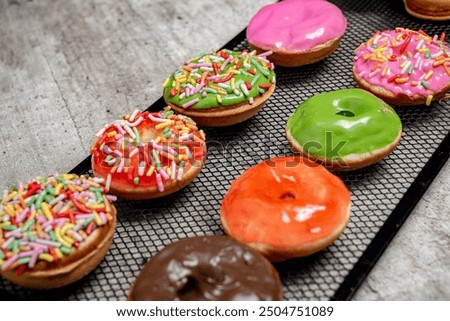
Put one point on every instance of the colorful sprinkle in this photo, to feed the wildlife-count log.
(424, 84)
(190, 103)
(159, 182)
(133, 115)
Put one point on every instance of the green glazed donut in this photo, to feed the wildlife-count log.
(221, 88)
(344, 129)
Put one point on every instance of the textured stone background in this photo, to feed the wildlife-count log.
(69, 67)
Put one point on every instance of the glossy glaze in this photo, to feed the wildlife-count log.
(207, 268)
(354, 119)
(285, 202)
(296, 25)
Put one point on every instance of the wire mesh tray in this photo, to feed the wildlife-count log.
(383, 195)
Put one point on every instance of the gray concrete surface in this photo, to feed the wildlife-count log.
(69, 67)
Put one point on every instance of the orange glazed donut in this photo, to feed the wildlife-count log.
(148, 155)
(286, 207)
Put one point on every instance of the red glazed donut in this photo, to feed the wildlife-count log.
(286, 207)
(148, 155)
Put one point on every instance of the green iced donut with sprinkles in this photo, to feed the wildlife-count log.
(221, 88)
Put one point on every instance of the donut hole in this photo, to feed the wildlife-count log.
(349, 105)
(148, 135)
(287, 196)
(189, 289)
(345, 113)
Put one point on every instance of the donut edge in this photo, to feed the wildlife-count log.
(397, 100)
(349, 162)
(225, 115)
(287, 58)
(143, 192)
(278, 254)
(74, 266)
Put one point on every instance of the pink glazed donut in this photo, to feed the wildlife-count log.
(404, 67)
(298, 32)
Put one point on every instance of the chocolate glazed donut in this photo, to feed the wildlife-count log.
(207, 268)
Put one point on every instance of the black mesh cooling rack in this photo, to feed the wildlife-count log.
(383, 195)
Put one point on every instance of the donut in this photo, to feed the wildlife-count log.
(403, 67)
(428, 9)
(54, 230)
(212, 268)
(344, 130)
(298, 32)
(222, 88)
(148, 154)
(286, 207)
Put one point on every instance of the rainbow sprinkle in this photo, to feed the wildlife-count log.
(219, 79)
(49, 218)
